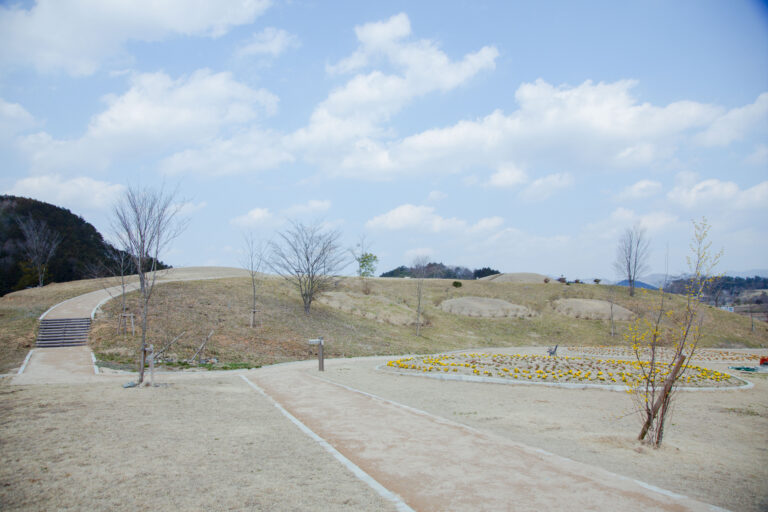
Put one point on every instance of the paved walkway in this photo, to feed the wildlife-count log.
(436, 464)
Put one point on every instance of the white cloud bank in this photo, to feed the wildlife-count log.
(157, 114)
(75, 193)
(408, 216)
(271, 42)
(77, 36)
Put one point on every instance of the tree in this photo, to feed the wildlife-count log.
(40, 243)
(366, 263)
(669, 340)
(632, 255)
(253, 260)
(307, 257)
(145, 221)
(419, 271)
(483, 272)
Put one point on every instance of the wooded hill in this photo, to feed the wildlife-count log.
(83, 253)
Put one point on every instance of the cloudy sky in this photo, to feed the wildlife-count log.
(521, 135)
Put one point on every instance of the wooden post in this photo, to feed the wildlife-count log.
(320, 356)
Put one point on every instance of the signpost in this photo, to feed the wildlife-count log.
(319, 343)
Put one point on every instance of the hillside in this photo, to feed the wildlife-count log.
(81, 254)
(356, 324)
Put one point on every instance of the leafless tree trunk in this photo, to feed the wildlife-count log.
(632, 255)
(40, 243)
(419, 267)
(610, 298)
(253, 260)
(145, 221)
(307, 257)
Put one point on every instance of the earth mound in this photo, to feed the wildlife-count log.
(515, 277)
(484, 307)
(592, 309)
(373, 307)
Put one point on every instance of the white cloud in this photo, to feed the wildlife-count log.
(592, 125)
(508, 175)
(487, 224)
(77, 36)
(353, 113)
(759, 156)
(725, 194)
(640, 190)
(253, 218)
(156, 114)
(13, 119)
(435, 196)
(251, 151)
(418, 252)
(313, 206)
(74, 193)
(408, 216)
(544, 187)
(190, 207)
(736, 123)
(270, 42)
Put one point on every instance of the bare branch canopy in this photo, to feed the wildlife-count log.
(309, 258)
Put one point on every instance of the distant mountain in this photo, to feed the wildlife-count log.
(81, 254)
(638, 284)
(760, 272)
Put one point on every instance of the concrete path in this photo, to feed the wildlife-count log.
(435, 464)
(75, 364)
(62, 365)
(83, 306)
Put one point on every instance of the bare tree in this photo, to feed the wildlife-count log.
(145, 221)
(253, 261)
(665, 346)
(40, 243)
(308, 257)
(116, 264)
(419, 271)
(632, 255)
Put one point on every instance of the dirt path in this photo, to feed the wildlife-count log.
(435, 464)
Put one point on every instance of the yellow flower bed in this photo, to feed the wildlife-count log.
(566, 370)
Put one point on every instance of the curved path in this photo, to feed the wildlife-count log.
(75, 364)
(432, 463)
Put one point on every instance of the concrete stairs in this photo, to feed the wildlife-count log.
(63, 332)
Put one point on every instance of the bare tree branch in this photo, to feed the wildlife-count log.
(632, 255)
(307, 257)
(40, 243)
(145, 221)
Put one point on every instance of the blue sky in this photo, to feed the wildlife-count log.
(525, 136)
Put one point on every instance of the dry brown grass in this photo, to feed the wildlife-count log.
(197, 307)
(200, 444)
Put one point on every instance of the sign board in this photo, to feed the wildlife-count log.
(318, 341)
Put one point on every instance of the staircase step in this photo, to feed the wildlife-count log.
(63, 332)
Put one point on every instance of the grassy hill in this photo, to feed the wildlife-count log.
(366, 325)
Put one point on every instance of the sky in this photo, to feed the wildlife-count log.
(524, 136)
